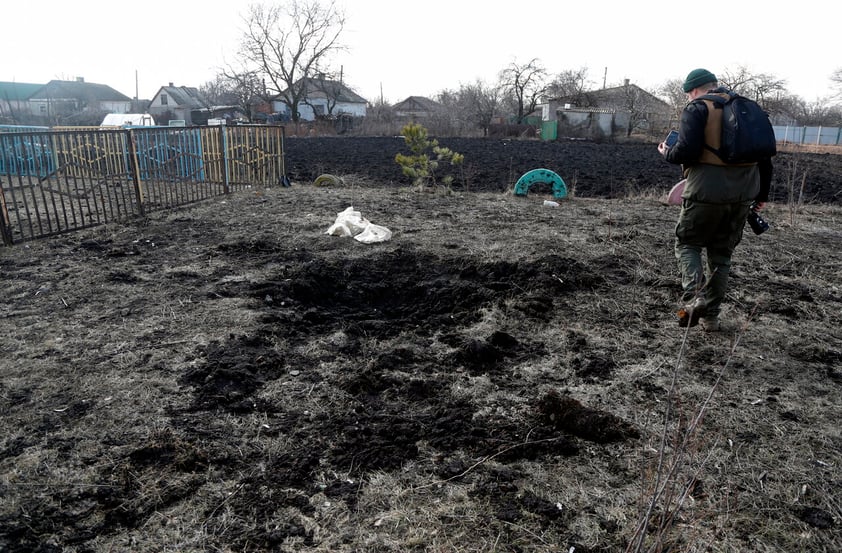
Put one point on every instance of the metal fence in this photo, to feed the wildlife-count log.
(812, 136)
(58, 181)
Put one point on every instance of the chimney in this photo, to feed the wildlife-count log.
(80, 79)
(626, 83)
(171, 84)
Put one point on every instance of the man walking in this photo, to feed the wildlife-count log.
(715, 203)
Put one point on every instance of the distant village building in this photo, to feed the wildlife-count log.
(76, 102)
(417, 107)
(14, 101)
(324, 98)
(608, 112)
(179, 103)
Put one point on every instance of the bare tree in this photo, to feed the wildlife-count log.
(675, 96)
(247, 90)
(288, 43)
(570, 83)
(738, 79)
(217, 91)
(638, 104)
(525, 85)
(242, 89)
(794, 110)
(480, 102)
(380, 118)
(673, 92)
(765, 87)
(760, 87)
(836, 79)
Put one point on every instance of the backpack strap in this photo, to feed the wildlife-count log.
(720, 98)
(713, 128)
(715, 102)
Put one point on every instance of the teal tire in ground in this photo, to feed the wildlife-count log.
(541, 175)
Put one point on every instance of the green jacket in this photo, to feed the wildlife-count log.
(719, 184)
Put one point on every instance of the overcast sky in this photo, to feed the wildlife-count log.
(400, 48)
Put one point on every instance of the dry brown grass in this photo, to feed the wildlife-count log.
(809, 148)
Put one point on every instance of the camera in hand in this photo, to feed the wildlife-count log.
(755, 221)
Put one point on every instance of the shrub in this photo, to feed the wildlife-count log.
(425, 157)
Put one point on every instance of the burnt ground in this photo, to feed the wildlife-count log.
(590, 169)
(495, 377)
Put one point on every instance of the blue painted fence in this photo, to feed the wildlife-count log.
(54, 181)
(818, 136)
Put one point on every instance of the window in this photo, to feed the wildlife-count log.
(163, 99)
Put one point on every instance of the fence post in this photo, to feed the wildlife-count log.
(283, 132)
(5, 223)
(134, 168)
(226, 182)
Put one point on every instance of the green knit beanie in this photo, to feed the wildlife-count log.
(698, 77)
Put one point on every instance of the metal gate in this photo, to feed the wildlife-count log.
(58, 181)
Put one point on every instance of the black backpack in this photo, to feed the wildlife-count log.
(747, 133)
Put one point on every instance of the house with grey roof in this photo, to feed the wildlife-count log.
(624, 97)
(417, 107)
(324, 98)
(608, 112)
(76, 102)
(179, 103)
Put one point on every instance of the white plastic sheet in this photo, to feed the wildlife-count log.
(350, 222)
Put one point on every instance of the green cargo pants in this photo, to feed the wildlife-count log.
(716, 229)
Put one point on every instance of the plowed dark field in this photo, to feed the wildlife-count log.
(592, 170)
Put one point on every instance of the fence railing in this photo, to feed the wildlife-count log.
(53, 182)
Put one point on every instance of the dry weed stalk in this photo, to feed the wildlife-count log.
(571, 188)
(680, 447)
(795, 194)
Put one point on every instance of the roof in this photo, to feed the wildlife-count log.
(79, 89)
(187, 96)
(338, 90)
(612, 97)
(17, 92)
(417, 103)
